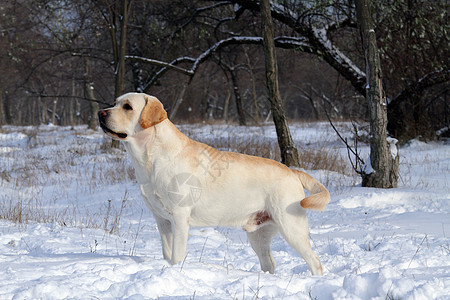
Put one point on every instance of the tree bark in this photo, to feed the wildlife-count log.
(119, 48)
(237, 97)
(93, 105)
(6, 109)
(71, 113)
(55, 103)
(384, 158)
(179, 100)
(253, 81)
(226, 105)
(89, 88)
(289, 154)
(1, 105)
(122, 48)
(44, 110)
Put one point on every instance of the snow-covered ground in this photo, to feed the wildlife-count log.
(73, 226)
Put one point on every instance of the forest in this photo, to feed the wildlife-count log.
(61, 60)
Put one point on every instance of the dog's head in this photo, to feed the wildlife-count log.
(132, 113)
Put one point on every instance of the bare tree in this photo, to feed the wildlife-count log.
(116, 21)
(232, 69)
(89, 90)
(315, 26)
(289, 154)
(119, 13)
(381, 170)
(1, 105)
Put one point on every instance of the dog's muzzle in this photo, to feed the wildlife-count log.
(102, 115)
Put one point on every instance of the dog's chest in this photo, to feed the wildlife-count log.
(154, 201)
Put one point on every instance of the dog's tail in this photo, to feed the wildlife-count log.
(319, 197)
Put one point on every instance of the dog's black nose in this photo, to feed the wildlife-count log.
(102, 114)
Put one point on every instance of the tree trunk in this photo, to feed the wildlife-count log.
(289, 154)
(55, 103)
(122, 48)
(4, 102)
(89, 88)
(119, 50)
(178, 101)
(237, 97)
(44, 110)
(71, 110)
(1, 105)
(93, 105)
(381, 170)
(226, 105)
(253, 81)
(78, 112)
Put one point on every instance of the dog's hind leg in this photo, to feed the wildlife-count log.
(295, 230)
(260, 242)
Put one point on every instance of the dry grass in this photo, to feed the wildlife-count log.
(39, 173)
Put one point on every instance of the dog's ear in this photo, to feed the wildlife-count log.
(153, 113)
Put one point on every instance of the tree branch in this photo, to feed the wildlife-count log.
(281, 42)
(69, 96)
(416, 88)
(163, 64)
(318, 41)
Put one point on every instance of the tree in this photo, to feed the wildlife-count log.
(413, 42)
(119, 13)
(381, 170)
(316, 21)
(116, 15)
(232, 70)
(289, 154)
(89, 90)
(1, 105)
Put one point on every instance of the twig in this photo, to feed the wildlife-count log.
(108, 210)
(258, 288)
(284, 292)
(417, 251)
(182, 264)
(358, 159)
(201, 254)
(137, 233)
(414, 256)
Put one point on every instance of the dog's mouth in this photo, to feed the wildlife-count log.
(105, 128)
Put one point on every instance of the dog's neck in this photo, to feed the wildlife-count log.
(161, 141)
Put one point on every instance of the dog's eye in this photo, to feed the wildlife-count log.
(127, 106)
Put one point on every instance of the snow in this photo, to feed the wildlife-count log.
(393, 146)
(85, 232)
(321, 36)
(367, 167)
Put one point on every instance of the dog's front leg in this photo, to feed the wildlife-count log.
(165, 230)
(180, 230)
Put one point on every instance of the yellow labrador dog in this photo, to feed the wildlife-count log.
(186, 183)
